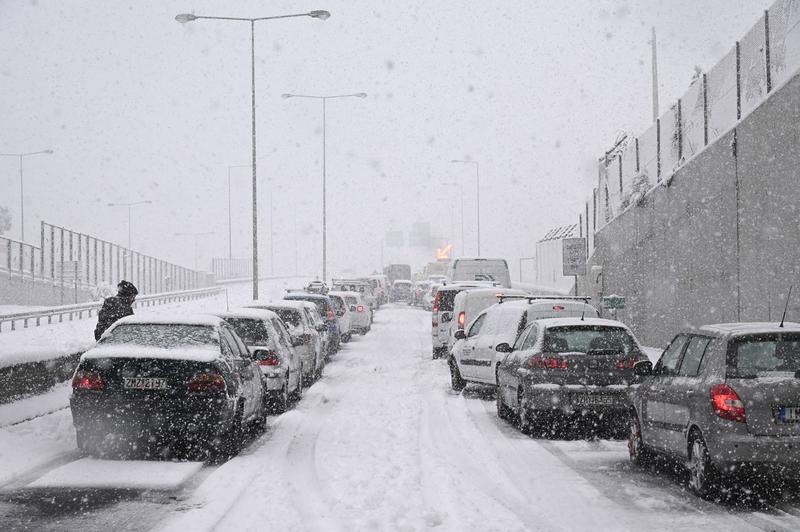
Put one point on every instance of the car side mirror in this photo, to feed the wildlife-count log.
(643, 368)
(459, 334)
(503, 347)
(297, 341)
(352, 308)
(261, 354)
(447, 316)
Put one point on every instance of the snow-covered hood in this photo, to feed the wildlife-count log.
(191, 353)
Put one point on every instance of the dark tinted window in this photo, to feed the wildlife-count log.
(252, 331)
(321, 304)
(690, 366)
(587, 338)
(162, 335)
(756, 355)
(289, 317)
(446, 299)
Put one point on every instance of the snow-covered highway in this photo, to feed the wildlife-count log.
(380, 443)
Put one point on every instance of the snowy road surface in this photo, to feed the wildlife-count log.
(381, 443)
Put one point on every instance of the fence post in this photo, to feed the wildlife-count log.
(53, 253)
(766, 49)
(679, 127)
(738, 84)
(658, 149)
(705, 111)
(41, 243)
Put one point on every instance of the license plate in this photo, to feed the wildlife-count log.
(593, 400)
(145, 383)
(789, 414)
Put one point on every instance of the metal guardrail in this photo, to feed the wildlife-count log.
(73, 312)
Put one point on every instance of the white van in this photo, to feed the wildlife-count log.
(472, 358)
(469, 303)
(478, 269)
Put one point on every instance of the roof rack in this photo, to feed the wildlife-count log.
(531, 298)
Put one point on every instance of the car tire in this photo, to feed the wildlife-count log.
(280, 404)
(230, 442)
(457, 382)
(639, 453)
(309, 380)
(503, 411)
(703, 476)
(298, 391)
(260, 422)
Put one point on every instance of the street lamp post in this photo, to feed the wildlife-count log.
(477, 196)
(460, 208)
(324, 168)
(196, 245)
(129, 205)
(188, 17)
(21, 190)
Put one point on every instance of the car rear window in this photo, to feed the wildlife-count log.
(288, 316)
(322, 308)
(165, 335)
(251, 331)
(351, 300)
(756, 355)
(588, 338)
(446, 299)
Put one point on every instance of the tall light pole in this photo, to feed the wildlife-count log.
(196, 242)
(324, 169)
(461, 207)
(188, 17)
(129, 206)
(230, 230)
(21, 190)
(477, 195)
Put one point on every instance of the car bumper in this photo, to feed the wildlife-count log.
(570, 400)
(763, 451)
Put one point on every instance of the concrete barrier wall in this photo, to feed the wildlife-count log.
(721, 240)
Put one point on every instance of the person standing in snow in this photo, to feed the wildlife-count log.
(116, 307)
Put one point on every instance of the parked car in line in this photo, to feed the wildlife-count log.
(316, 287)
(468, 303)
(273, 349)
(473, 356)
(442, 314)
(151, 382)
(381, 285)
(566, 370)
(344, 314)
(420, 289)
(362, 316)
(402, 290)
(362, 286)
(437, 279)
(326, 313)
(430, 296)
(725, 400)
(479, 269)
(298, 319)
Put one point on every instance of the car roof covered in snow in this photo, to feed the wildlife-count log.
(733, 329)
(304, 296)
(247, 313)
(294, 304)
(567, 322)
(195, 353)
(207, 320)
(342, 293)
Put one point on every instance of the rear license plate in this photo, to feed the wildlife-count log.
(592, 400)
(789, 414)
(145, 383)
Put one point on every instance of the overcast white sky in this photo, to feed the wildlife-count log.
(138, 106)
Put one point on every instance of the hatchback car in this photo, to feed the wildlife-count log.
(402, 290)
(564, 369)
(273, 349)
(362, 316)
(326, 312)
(150, 382)
(724, 399)
(344, 314)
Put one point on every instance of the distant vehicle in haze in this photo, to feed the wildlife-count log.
(434, 269)
(359, 310)
(342, 310)
(420, 289)
(363, 286)
(442, 314)
(397, 271)
(326, 313)
(402, 290)
(380, 282)
(479, 269)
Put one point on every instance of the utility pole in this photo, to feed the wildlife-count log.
(655, 75)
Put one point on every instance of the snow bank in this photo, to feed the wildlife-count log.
(89, 473)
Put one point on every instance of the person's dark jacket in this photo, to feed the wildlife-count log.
(114, 308)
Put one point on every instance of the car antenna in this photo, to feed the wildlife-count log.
(783, 318)
(583, 312)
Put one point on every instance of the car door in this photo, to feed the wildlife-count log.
(680, 394)
(484, 354)
(505, 382)
(655, 430)
(284, 342)
(468, 361)
(243, 364)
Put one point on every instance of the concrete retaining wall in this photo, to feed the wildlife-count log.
(721, 241)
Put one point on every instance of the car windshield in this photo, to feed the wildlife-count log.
(351, 300)
(163, 335)
(252, 331)
(758, 355)
(587, 338)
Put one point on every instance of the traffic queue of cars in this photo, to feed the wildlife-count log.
(153, 387)
(722, 399)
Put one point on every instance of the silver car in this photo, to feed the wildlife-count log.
(724, 399)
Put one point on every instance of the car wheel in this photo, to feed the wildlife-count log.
(503, 411)
(639, 453)
(231, 441)
(281, 402)
(703, 476)
(298, 392)
(260, 424)
(456, 381)
(308, 380)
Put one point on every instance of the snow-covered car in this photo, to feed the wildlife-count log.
(297, 318)
(420, 289)
(402, 290)
(362, 286)
(473, 355)
(273, 349)
(442, 315)
(151, 382)
(723, 399)
(326, 314)
(565, 370)
(344, 314)
(380, 285)
(468, 303)
(430, 296)
(479, 269)
(360, 312)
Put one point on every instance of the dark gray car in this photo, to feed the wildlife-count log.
(723, 398)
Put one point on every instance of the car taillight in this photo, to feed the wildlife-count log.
(628, 363)
(207, 382)
(558, 308)
(727, 404)
(436, 302)
(461, 319)
(360, 308)
(331, 317)
(271, 359)
(547, 362)
(88, 380)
